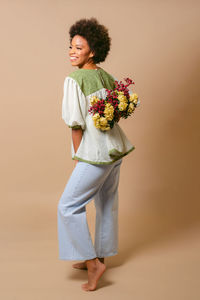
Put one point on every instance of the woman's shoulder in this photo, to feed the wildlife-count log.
(107, 74)
(89, 73)
(74, 79)
(90, 80)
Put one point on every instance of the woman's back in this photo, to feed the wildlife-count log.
(96, 147)
(92, 80)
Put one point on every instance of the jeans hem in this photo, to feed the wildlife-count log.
(108, 254)
(77, 258)
(87, 258)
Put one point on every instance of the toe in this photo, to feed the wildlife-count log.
(80, 266)
(85, 286)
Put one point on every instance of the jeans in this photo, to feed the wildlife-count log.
(86, 182)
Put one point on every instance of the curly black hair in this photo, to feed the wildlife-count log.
(96, 36)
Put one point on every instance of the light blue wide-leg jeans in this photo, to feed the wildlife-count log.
(87, 182)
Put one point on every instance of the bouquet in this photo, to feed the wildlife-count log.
(117, 104)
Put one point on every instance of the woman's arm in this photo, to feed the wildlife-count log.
(76, 138)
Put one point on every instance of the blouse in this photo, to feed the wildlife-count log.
(96, 146)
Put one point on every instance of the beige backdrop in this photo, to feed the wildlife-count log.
(157, 44)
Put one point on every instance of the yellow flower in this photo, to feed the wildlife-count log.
(103, 124)
(93, 100)
(100, 122)
(109, 111)
(131, 108)
(133, 98)
(96, 116)
(122, 105)
(103, 121)
(122, 98)
(120, 92)
(96, 119)
(97, 123)
(105, 128)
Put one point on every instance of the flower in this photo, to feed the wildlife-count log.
(96, 116)
(97, 123)
(118, 103)
(122, 98)
(105, 128)
(104, 124)
(93, 100)
(135, 101)
(100, 122)
(96, 119)
(122, 105)
(109, 111)
(131, 108)
(120, 92)
(103, 121)
(133, 98)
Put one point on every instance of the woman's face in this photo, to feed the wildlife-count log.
(80, 53)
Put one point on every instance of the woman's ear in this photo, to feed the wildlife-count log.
(92, 54)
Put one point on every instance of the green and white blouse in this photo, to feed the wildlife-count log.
(96, 147)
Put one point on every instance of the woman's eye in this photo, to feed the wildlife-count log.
(77, 47)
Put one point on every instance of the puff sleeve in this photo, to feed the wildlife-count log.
(73, 104)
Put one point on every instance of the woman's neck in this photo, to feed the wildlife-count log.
(90, 67)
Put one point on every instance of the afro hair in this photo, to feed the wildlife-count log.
(96, 36)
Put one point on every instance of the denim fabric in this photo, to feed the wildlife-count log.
(87, 182)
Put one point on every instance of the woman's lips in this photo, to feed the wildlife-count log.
(73, 58)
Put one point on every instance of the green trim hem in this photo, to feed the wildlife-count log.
(115, 153)
(75, 126)
(104, 163)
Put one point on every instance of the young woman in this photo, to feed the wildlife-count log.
(97, 154)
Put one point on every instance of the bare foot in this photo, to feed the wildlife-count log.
(95, 271)
(83, 265)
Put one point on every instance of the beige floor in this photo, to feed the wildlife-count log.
(153, 263)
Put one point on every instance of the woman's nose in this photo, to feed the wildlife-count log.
(72, 50)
